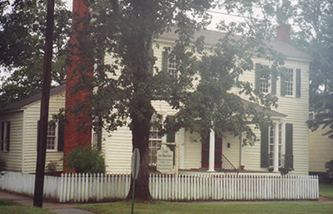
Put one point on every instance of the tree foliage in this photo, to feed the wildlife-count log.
(206, 87)
(22, 29)
(316, 37)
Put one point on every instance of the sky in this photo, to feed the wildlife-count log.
(216, 14)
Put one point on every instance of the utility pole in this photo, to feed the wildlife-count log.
(44, 109)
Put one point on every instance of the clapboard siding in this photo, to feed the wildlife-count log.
(233, 152)
(320, 150)
(14, 156)
(118, 150)
(192, 150)
(31, 116)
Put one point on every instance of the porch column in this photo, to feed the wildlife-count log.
(182, 148)
(211, 151)
(241, 150)
(276, 148)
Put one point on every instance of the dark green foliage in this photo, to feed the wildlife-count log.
(85, 160)
(329, 169)
(22, 29)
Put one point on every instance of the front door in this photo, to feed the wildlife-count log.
(218, 153)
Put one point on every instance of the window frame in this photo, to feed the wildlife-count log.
(55, 137)
(287, 82)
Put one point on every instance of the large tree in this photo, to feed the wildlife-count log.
(125, 86)
(315, 19)
(22, 29)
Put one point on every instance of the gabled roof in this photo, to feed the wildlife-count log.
(212, 38)
(18, 105)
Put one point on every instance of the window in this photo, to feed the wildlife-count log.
(5, 132)
(265, 79)
(311, 115)
(55, 136)
(51, 137)
(264, 84)
(271, 146)
(172, 66)
(155, 140)
(289, 84)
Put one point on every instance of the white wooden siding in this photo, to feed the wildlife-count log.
(320, 150)
(192, 150)
(231, 153)
(31, 117)
(14, 156)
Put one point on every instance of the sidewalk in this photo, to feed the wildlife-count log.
(52, 206)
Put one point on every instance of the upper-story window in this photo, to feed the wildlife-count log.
(172, 66)
(264, 84)
(289, 84)
(169, 64)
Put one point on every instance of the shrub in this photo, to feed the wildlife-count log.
(52, 167)
(329, 169)
(85, 160)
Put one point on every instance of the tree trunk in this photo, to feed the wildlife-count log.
(141, 111)
(140, 140)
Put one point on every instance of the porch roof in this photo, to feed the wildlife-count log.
(265, 110)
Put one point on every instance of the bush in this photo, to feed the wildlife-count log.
(329, 169)
(52, 167)
(85, 160)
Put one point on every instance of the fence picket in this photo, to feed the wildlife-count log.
(97, 187)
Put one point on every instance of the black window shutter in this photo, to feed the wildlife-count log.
(2, 134)
(273, 83)
(298, 82)
(38, 126)
(258, 72)
(289, 158)
(264, 147)
(8, 135)
(61, 129)
(171, 135)
(283, 82)
(165, 57)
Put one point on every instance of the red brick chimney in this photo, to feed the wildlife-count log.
(283, 33)
(80, 68)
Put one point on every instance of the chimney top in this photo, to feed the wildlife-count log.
(283, 33)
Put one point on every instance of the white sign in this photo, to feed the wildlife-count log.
(135, 163)
(165, 160)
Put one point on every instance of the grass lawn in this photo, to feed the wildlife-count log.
(9, 207)
(326, 190)
(189, 208)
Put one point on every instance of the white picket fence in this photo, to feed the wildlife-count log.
(100, 187)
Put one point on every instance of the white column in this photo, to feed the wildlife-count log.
(276, 148)
(241, 150)
(211, 151)
(182, 149)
